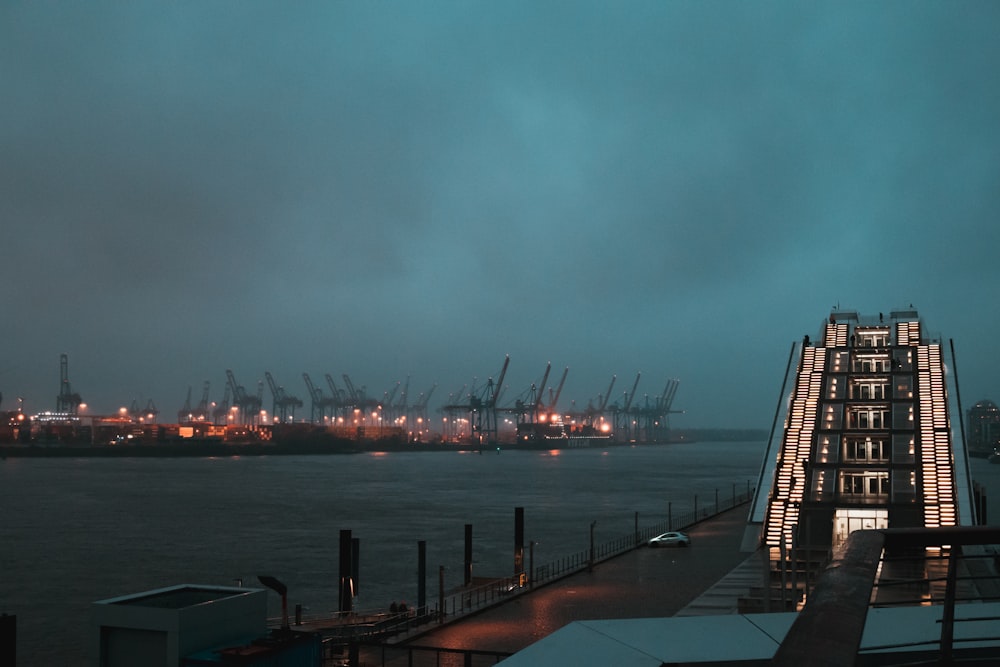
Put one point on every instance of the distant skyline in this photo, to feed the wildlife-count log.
(393, 190)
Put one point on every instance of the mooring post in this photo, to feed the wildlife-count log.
(468, 554)
(422, 577)
(355, 567)
(346, 550)
(636, 543)
(531, 564)
(441, 609)
(518, 540)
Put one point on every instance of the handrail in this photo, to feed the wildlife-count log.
(830, 626)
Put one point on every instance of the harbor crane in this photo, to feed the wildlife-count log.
(398, 411)
(220, 412)
(319, 404)
(554, 398)
(621, 414)
(339, 398)
(197, 413)
(248, 404)
(284, 404)
(67, 401)
(419, 418)
(527, 411)
(144, 415)
(184, 414)
(655, 417)
(201, 412)
(481, 408)
(594, 413)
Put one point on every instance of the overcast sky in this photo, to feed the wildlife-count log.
(418, 189)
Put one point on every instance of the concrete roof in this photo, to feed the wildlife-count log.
(747, 638)
(654, 641)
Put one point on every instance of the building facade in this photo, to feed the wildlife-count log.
(863, 437)
(983, 428)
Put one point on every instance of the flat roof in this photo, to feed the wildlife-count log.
(178, 597)
(747, 639)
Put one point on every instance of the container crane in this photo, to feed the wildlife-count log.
(201, 412)
(489, 404)
(339, 399)
(144, 415)
(184, 414)
(400, 410)
(535, 421)
(554, 398)
(319, 404)
(220, 412)
(67, 401)
(248, 404)
(660, 426)
(283, 404)
(540, 391)
(481, 404)
(197, 413)
(622, 421)
(420, 418)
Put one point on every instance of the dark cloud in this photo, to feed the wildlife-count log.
(392, 190)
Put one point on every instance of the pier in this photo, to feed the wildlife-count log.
(707, 578)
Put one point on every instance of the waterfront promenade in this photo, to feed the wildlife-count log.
(706, 578)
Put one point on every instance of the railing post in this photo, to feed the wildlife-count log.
(590, 566)
(948, 612)
(531, 564)
(441, 594)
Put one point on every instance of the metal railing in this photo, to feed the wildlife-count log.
(372, 632)
(473, 599)
(895, 567)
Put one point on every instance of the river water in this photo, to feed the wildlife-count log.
(77, 530)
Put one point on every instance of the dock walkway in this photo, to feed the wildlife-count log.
(707, 578)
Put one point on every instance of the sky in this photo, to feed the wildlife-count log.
(413, 191)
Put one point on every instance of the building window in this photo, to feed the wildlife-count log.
(866, 450)
(872, 363)
(904, 486)
(864, 389)
(903, 448)
(872, 337)
(865, 417)
(865, 486)
(902, 386)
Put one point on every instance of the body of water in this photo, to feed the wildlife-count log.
(77, 530)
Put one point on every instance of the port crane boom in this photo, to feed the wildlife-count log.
(248, 404)
(283, 405)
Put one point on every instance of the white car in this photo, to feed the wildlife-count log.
(671, 539)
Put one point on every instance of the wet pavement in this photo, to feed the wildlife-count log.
(641, 583)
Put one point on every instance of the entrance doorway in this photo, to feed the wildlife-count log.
(846, 521)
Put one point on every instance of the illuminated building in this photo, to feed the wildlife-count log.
(863, 437)
(983, 428)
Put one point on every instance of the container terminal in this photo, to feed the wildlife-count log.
(343, 417)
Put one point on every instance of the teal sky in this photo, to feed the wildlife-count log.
(390, 189)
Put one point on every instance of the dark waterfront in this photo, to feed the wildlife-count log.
(80, 530)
